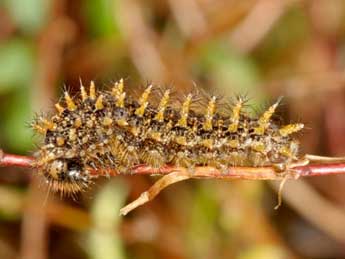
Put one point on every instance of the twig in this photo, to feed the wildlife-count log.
(15, 160)
(247, 173)
(173, 174)
(158, 186)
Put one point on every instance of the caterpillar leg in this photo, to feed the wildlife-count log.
(282, 168)
(280, 192)
(307, 159)
(155, 189)
(287, 170)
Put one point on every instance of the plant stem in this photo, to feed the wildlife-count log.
(249, 173)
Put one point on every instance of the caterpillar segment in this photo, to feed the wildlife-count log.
(127, 156)
(153, 157)
(102, 130)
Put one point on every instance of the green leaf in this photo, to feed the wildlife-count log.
(16, 63)
(231, 73)
(203, 218)
(102, 18)
(11, 203)
(17, 134)
(263, 252)
(104, 239)
(29, 15)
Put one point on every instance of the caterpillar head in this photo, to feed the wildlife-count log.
(66, 176)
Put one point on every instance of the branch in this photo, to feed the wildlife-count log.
(10, 160)
(173, 174)
(249, 173)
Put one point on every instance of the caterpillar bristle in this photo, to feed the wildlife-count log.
(118, 94)
(117, 89)
(153, 158)
(99, 103)
(143, 101)
(263, 121)
(182, 122)
(48, 124)
(71, 106)
(209, 114)
(59, 108)
(235, 115)
(290, 129)
(92, 90)
(38, 128)
(162, 106)
(83, 93)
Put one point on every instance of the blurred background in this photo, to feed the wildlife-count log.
(266, 48)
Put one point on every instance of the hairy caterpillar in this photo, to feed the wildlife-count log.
(102, 130)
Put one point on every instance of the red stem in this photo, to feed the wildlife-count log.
(251, 173)
(15, 160)
(321, 169)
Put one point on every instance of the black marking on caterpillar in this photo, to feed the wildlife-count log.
(102, 130)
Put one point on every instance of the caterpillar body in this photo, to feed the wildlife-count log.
(108, 130)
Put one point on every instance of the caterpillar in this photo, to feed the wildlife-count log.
(111, 130)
